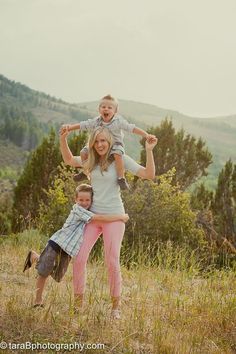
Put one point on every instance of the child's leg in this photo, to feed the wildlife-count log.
(81, 176)
(120, 168)
(44, 266)
(40, 284)
(84, 155)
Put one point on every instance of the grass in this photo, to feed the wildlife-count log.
(165, 309)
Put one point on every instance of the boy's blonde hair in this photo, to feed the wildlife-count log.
(93, 157)
(109, 98)
(84, 188)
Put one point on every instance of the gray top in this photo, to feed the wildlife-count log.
(107, 199)
(115, 125)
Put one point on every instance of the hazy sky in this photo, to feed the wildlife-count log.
(176, 54)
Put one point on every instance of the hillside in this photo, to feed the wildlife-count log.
(33, 112)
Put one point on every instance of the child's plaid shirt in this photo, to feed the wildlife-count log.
(70, 236)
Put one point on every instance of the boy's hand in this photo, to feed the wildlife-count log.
(151, 143)
(151, 138)
(64, 129)
(125, 217)
(63, 132)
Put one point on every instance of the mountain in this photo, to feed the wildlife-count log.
(33, 113)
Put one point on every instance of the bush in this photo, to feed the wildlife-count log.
(160, 212)
(60, 198)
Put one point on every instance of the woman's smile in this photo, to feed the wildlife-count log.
(101, 145)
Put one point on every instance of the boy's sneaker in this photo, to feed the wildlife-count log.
(79, 177)
(123, 183)
(31, 258)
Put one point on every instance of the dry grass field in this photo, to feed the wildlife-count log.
(164, 309)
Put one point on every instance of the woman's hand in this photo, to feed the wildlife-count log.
(64, 131)
(151, 142)
(125, 218)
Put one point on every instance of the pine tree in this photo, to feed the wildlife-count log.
(201, 198)
(189, 156)
(224, 207)
(36, 177)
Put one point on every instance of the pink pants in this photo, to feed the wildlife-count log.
(112, 237)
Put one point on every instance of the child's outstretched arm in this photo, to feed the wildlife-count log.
(110, 218)
(70, 127)
(142, 133)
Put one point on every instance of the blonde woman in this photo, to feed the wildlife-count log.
(106, 200)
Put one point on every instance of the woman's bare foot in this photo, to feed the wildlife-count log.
(78, 302)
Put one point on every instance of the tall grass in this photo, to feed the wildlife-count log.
(168, 306)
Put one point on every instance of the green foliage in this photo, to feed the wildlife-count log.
(160, 212)
(20, 127)
(5, 223)
(201, 198)
(188, 155)
(5, 213)
(36, 177)
(224, 205)
(30, 238)
(60, 197)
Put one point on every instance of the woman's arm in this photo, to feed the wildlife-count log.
(67, 155)
(110, 218)
(148, 172)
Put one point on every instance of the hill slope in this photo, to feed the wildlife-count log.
(218, 132)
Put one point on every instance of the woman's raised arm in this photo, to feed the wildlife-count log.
(67, 155)
(148, 172)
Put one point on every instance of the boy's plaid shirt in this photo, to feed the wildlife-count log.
(70, 236)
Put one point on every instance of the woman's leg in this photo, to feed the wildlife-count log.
(113, 234)
(91, 234)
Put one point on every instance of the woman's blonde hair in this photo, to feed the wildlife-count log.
(93, 156)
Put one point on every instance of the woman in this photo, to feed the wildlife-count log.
(106, 200)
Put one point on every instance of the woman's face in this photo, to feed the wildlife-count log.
(101, 145)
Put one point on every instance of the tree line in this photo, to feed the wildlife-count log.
(21, 127)
(163, 210)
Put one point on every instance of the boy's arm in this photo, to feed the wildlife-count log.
(70, 127)
(145, 135)
(110, 218)
(85, 125)
(141, 132)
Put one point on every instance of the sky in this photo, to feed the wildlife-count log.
(179, 55)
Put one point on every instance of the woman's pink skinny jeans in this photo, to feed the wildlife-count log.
(113, 233)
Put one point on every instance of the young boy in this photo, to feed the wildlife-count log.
(66, 242)
(108, 108)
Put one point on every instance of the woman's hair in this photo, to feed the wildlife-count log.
(93, 156)
(84, 188)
